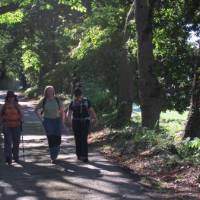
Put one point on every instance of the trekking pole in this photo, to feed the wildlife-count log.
(22, 140)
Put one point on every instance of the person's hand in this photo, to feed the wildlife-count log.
(94, 121)
(63, 123)
(41, 119)
(69, 122)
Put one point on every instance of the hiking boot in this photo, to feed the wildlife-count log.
(83, 159)
(78, 158)
(16, 160)
(54, 161)
(8, 161)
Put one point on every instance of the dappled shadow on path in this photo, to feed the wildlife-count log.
(37, 178)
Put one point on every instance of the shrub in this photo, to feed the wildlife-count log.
(31, 92)
(101, 98)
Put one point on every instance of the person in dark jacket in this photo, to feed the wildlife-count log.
(81, 114)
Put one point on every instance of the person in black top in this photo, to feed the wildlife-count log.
(80, 114)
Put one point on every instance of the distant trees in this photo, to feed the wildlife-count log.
(48, 41)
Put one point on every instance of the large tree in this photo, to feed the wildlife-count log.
(149, 88)
(192, 128)
(126, 76)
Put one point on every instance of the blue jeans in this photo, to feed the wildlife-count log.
(11, 143)
(53, 131)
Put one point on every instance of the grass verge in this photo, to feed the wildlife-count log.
(163, 160)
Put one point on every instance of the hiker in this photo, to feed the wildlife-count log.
(80, 114)
(11, 117)
(51, 113)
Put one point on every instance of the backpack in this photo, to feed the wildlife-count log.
(11, 119)
(44, 102)
(84, 102)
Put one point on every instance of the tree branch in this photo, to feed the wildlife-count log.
(129, 16)
(9, 8)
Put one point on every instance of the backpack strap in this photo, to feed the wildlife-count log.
(4, 107)
(3, 110)
(16, 107)
(84, 102)
(58, 102)
(43, 105)
(44, 102)
(19, 112)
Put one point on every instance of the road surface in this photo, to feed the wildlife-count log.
(35, 178)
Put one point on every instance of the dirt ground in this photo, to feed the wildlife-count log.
(176, 182)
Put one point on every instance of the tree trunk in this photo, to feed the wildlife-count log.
(87, 4)
(2, 69)
(125, 95)
(23, 80)
(192, 128)
(126, 77)
(149, 88)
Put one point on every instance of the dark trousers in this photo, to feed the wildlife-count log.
(11, 143)
(81, 131)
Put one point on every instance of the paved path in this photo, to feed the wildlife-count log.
(36, 178)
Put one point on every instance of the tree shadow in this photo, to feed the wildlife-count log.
(38, 179)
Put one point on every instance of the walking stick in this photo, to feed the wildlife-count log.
(22, 140)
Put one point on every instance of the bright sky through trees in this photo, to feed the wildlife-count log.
(193, 38)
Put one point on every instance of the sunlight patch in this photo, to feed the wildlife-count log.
(27, 198)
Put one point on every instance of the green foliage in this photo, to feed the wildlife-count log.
(101, 99)
(93, 40)
(31, 61)
(144, 142)
(74, 4)
(173, 55)
(189, 151)
(31, 64)
(96, 53)
(195, 143)
(173, 122)
(31, 92)
(98, 30)
(12, 17)
(107, 16)
(60, 77)
(5, 39)
(145, 139)
(49, 41)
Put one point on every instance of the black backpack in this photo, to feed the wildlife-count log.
(84, 102)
